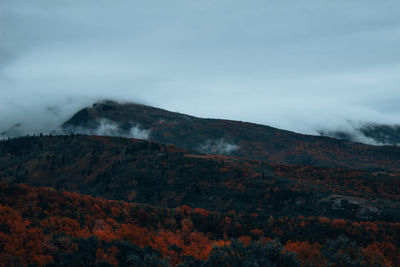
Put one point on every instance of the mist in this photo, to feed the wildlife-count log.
(105, 127)
(302, 66)
(217, 146)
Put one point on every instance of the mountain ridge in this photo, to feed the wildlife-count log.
(242, 139)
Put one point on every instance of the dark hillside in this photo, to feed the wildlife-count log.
(167, 176)
(246, 140)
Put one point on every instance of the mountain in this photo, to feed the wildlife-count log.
(241, 139)
(378, 134)
(194, 192)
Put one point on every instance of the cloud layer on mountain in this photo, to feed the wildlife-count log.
(295, 65)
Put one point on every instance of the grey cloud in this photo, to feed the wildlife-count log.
(297, 65)
(11, 132)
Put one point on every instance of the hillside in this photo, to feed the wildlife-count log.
(241, 139)
(118, 201)
(167, 176)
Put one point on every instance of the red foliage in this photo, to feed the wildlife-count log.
(30, 229)
(307, 253)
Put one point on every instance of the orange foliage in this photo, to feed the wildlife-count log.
(339, 223)
(202, 212)
(382, 252)
(136, 235)
(24, 242)
(324, 220)
(245, 240)
(307, 253)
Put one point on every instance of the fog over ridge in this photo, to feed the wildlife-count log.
(105, 127)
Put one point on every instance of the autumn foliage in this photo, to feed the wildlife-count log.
(127, 202)
(42, 225)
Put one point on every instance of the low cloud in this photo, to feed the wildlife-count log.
(14, 131)
(217, 146)
(354, 135)
(105, 127)
(361, 138)
(137, 132)
(371, 134)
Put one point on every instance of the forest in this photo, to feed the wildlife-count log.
(78, 200)
(45, 227)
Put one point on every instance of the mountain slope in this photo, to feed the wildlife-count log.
(174, 207)
(246, 140)
(167, 176)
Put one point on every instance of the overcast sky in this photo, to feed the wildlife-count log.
(298, 65)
